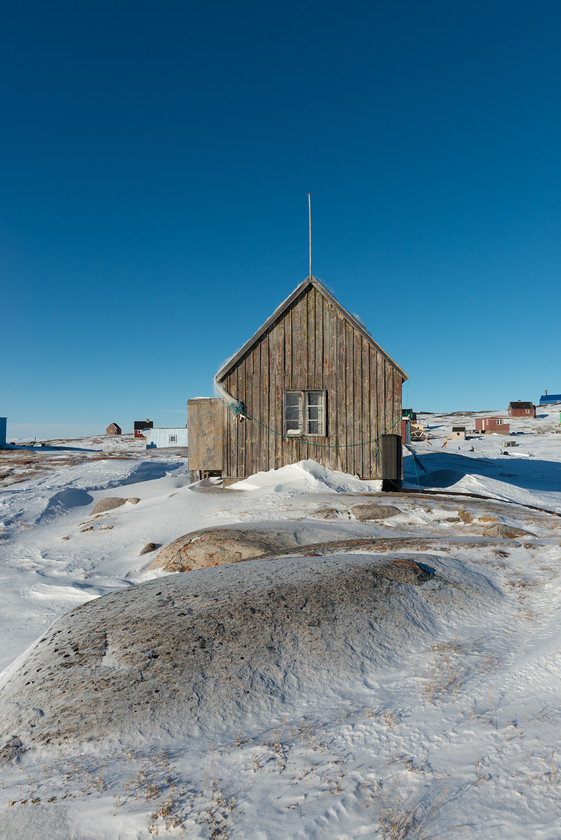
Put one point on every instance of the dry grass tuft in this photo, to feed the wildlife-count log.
(402, 818)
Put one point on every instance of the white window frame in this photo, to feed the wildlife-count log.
(300, 405)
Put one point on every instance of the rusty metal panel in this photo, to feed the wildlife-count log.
(205, 420)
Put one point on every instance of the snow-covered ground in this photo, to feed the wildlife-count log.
(426, 708)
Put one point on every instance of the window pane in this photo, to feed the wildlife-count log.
(315, 412)
(293, 404)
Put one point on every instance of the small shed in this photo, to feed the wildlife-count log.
(164, 438)
(521, 409)
(310, 383)
(492, 425)
(140, 425)
(458, 433)
(3, 426)
(113, 429)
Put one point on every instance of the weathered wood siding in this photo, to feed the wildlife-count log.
(206, 420)
(312, 347)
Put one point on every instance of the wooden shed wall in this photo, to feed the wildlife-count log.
(312, 346)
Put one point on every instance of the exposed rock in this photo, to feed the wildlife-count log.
(149, 547)
(197, 653)
(11, 751)
(108, 503)
(328, 513)
(216, 546)
(372, 510)
(499, 529)
(134, 500)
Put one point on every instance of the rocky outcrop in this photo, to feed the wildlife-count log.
(373, 510)
(106, 504)
(111, 502)
(509, 532)
(198, 653)
(149, 548)
(216, 546)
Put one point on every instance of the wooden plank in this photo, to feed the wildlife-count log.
(318, 341)
(230, 386)
(264, 388)
(380, 390)
(288, 351)
(367, 411)
(349, 413)
(388, 394)
(278, 420)
(254, 463)
(358, 420)
(240, 427)
(330, 381)
(311, 377)
(397, 399)
(340, 407)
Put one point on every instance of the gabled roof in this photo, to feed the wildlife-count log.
(520, 405)
(308, 282)
(143, 424)
(548, 399)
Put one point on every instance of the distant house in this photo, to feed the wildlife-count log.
(310, 383)
(113, 429)
(521, 409)
(550, 399)
(3, 425)
(140, 425)
(162, 438)
(492, 425)
(458, 433)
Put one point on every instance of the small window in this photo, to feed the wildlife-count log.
(173, 438)
(305, 413)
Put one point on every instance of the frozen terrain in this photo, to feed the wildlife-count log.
(393, 677)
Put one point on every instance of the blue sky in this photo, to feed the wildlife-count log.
(155, 162)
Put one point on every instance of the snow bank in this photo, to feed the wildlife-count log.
(307, 476)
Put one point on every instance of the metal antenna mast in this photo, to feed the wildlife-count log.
(310, 227)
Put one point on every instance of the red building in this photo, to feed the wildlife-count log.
(521, 409)
(139, 425)
(492, 425)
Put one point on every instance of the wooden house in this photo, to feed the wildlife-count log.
(458, 433)
(113, 429)
(140, 425)
(492, 425)
(311, 383)
(521, 409)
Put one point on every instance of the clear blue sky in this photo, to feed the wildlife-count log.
(155, 161)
